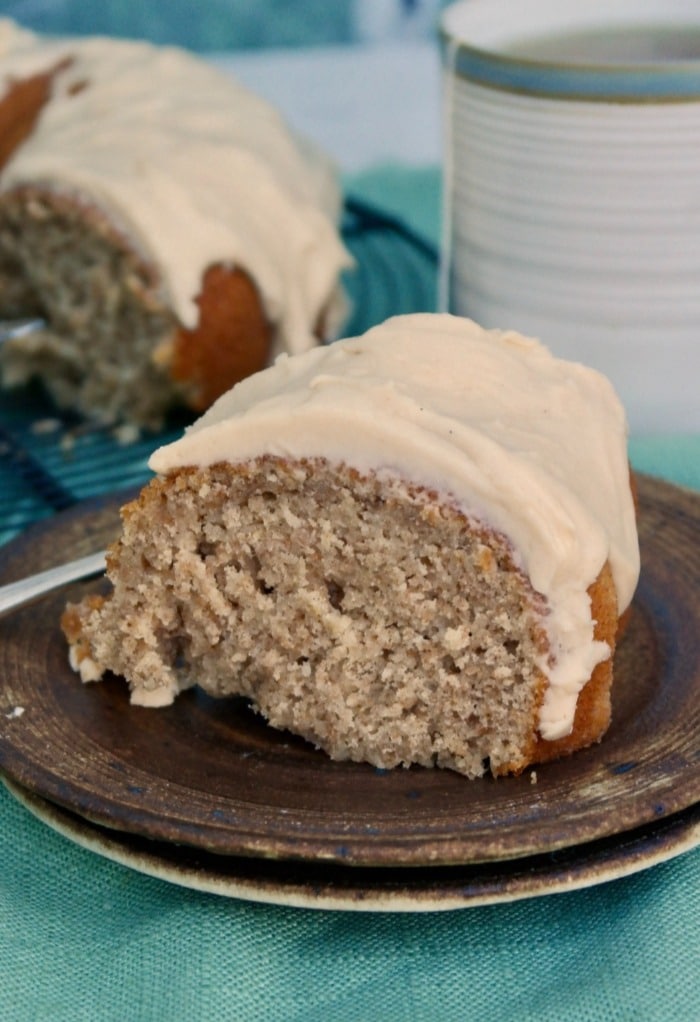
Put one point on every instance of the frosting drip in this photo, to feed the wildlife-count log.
(199, 170)
(531, 445)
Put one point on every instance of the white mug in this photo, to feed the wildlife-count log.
(572, 187)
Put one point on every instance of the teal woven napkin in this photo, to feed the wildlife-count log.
(82, 938)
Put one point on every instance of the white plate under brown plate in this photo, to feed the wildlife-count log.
(210, 779)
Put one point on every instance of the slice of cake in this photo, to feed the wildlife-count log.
(170, 230)
(408, 547)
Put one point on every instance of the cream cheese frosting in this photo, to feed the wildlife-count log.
(198, 170)
(531, 445)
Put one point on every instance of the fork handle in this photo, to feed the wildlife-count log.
(17, 594)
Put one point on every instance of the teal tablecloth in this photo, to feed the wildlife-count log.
(82, 938)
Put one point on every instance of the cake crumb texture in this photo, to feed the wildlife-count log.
(102, 306)
(359, 612)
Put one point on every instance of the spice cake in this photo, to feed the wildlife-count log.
(169, 229)
(412, 546)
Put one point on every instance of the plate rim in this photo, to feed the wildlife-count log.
(585, 866)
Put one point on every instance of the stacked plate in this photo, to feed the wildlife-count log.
(205, 794)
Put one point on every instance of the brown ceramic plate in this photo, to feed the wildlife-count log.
(211, 776)
(379, 889)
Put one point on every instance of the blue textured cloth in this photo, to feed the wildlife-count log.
(82, 938)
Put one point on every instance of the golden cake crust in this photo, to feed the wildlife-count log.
(231, 340)
(21, 107)
(593, 707)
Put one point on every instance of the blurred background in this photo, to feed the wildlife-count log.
(359, 77)
(362, 79)
(211, 25)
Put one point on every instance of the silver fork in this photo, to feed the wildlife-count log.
(17, 594)
(10, 329)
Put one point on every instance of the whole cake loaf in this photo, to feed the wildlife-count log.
(412, 546)
(169, 230)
